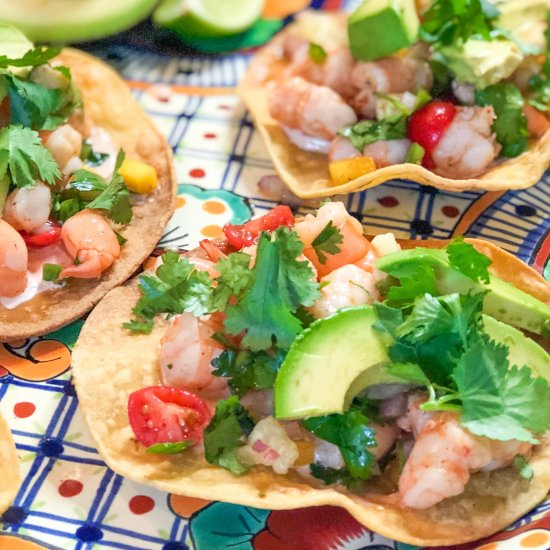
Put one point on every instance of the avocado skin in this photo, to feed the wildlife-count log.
(504, 302)
(376, 34)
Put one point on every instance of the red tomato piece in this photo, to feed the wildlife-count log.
(428, 125)
(46, 235)
(352, 248)
(163, 414)
(213, 252)
(247, 234)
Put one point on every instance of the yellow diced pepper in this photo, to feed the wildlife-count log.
(346, 170)
(138, 176)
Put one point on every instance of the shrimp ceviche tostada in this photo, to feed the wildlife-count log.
(11, 478)
(296, 363)
(454, 95)
(86, 185)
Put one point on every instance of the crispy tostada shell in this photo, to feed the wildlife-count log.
(109, 363)
(107, 103)
(307, 174)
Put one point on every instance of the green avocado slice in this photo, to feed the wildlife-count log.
(503, 302)
(326, 360)
(73, 20)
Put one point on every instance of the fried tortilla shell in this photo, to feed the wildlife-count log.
(11, 476)
(307, 174)
(108, 104)
(107, 369)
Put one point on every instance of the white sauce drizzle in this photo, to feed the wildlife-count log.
(102, 142)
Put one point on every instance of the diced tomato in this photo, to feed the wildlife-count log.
(213, 252)
(163, 414)
(46, 235)
(247, 234)
(428, 125)
(353, 247)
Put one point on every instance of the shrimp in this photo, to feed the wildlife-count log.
(386, 435)
(344, 287)
(28, 208)
(537, 122)
(91, 241)
(315, 110)
(443, 457)
(65, 145)
(341, 148)
(389, 75)
(388, 153)
(468, 146)
(187, 350)
(14, 259)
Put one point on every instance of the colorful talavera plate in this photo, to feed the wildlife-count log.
(68, 498)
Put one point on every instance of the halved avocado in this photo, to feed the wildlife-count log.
(73, 20)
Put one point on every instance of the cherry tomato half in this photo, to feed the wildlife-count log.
(428, 125)
(247, 234)
(163, 414)
(48, 234)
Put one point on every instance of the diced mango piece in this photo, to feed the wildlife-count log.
(305, 453)
(138, 176)
(346, 170)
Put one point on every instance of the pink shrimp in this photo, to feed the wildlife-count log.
(314, 110)
(13, 261)
(444, 455)
(91, 241)
(187, 350)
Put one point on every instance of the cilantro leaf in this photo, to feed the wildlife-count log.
(248, 370)
(466, 259)
(524, 468)
(447, 21)
(91, 157)
(115, 198)
(415, 278)
(168, 448)
(329, 476)
(35, 56)
(24, 156)
(366, 132)
(409, 372)
(327, 242)
(510, 125)
(497, 401)
(234, 278)
(352, 435)
(51, 272)
(279, 284)
(225, 433)
(177, 287)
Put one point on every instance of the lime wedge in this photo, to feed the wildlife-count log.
(208, 18)
(72, 20)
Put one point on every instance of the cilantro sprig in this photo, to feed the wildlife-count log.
(366, 132)
(327, 242)
(466, 259)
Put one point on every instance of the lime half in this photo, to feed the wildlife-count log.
(73, 20)
(208, 18)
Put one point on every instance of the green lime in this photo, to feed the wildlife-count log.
(72, 20)
(208, 18)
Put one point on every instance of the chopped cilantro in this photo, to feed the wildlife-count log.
(122, 240)
(466, 259)
(409, 372)
(365, 132)
(510, 125)
(51, 272)
(279, 284)
(352, 435)
(248, 370)
(177, 287)
(523, 467)
(447, 21)
(329, 476)
(91, 157)
(327, 242)
(168, 448)
(235, 276)
(35, 56)
(24, 156)
(415, 154)
(499, 401)
(415, 278)
(316, 53)
(225, 434)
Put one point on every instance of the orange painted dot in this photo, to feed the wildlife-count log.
(535, 539)
(490, 546)
(214, 207)
(180, 201)
(212, 231)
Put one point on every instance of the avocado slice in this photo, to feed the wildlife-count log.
(378, 28)
(326, 360)
(523, 350)
(503, 302)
